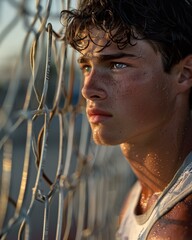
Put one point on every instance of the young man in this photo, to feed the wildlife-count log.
(136, 58)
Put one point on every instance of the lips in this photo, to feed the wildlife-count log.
(98, 115)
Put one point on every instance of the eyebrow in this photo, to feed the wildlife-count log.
(105, 57)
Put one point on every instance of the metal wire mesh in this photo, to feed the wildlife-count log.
(54, 182)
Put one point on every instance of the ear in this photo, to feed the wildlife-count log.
(185, 79)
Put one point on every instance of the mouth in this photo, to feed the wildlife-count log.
(98, 116)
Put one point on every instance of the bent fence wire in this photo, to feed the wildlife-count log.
(54, 182)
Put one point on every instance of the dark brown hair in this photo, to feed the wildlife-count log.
(167, 24)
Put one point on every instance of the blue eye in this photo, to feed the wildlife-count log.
(119, 65)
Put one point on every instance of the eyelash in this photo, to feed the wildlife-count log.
(118, 63)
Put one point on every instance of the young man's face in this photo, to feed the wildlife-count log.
(129, 96)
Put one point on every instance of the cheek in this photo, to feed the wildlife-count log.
(130, 84)
(143, 99)
(143, 89)
(123, 90)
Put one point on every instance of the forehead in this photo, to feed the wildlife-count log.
(93, 40)
(98, 42)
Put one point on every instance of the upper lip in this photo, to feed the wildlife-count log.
(97, 111)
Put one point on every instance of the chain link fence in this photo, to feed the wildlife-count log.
(54, 182)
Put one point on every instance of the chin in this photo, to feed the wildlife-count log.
(104, 136)
(106, 141)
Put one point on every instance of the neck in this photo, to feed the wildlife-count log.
(156, 162)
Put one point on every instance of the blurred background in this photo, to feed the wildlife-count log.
(55, 183)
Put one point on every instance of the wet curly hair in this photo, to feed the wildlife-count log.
(166, 24)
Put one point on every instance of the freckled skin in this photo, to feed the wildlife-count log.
(148, 116)
(138, 96)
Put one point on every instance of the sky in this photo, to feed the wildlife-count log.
(11, 44)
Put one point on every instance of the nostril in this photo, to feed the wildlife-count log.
(95, 96)
(93, 93)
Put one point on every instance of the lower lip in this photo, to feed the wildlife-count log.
(98, 118)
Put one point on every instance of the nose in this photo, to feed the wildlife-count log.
(94, 87)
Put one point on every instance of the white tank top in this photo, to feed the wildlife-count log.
(137, 227)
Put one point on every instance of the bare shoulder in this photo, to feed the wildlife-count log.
(176, 224)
